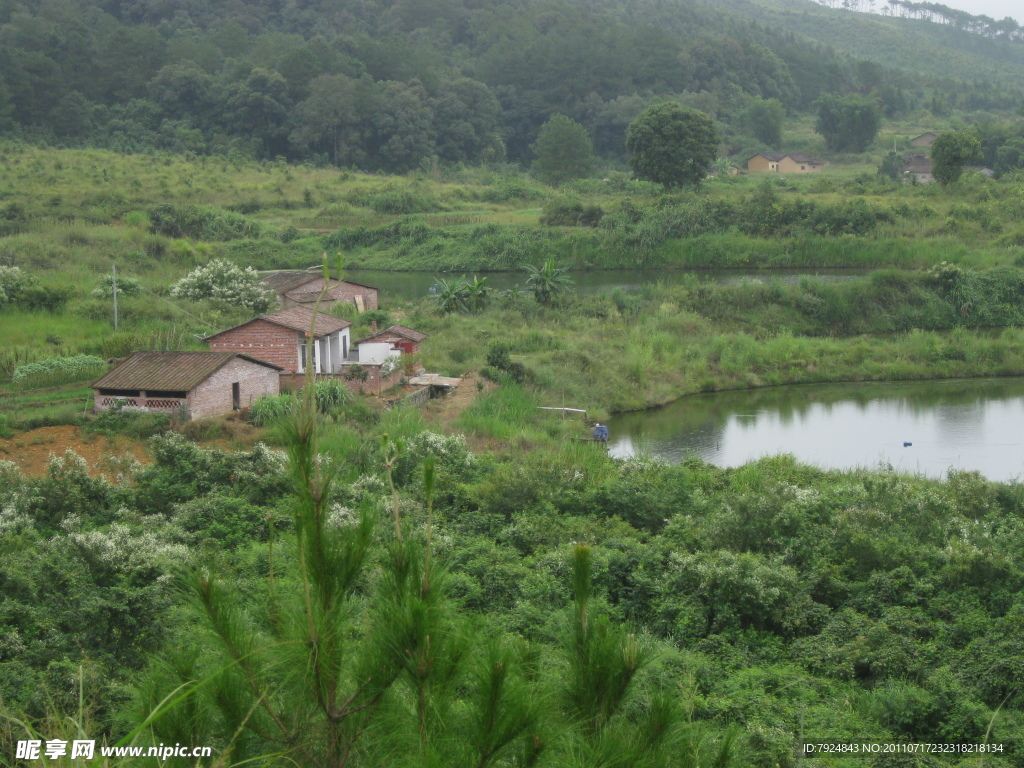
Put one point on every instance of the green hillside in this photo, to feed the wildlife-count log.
(924, 47)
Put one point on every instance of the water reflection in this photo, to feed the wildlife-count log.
(966, 424)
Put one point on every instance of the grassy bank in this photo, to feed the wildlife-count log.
(627, 351)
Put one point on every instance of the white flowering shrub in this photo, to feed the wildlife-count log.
(450, 451)
(223, 281)
(13, 283)
(122, 550)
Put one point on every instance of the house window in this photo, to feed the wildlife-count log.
(803, 167)
(302, 358)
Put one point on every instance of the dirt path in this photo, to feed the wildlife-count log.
(444, 411)
(30, 451)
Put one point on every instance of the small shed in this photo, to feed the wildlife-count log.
(405, 339)
(196, 384)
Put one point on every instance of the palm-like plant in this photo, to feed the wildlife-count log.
(477, 294)
(451, 295)
(547, 280)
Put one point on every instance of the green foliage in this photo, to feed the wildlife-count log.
(135, 424)
(562, 152)
(951, 152)
(891, 167)
(270, 409)
(126, 286)
(570, 212)
(763, 119)
(547, 281)
(848, 123)
(672, 145)
(58, 370)
(201, 223)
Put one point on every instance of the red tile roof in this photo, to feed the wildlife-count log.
(296, 318)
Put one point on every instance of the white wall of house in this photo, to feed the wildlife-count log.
(375, 353)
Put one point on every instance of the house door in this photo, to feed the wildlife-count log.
(236, 397)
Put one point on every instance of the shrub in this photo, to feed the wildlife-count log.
(571, 213)
(401, 201)
(226, 282)
(330, 395)
(13, 284)
(137, 424)
(267, 410)
(126, 286)
(201, 223)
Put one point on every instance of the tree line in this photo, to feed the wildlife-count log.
(388, 86)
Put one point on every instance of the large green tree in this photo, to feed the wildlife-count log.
(951, 152)
(762, 118)
(563, 151)
(848, 123)
(672, 145)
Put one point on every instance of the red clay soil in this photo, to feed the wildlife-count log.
(31, 450)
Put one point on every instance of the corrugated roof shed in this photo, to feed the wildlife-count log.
(397, 330)
(169, 371)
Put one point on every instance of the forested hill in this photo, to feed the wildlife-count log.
(923, 45)
(390, 85)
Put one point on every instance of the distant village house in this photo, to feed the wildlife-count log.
(918, 168)
(195, 384)
(783, 162)
(304, 288)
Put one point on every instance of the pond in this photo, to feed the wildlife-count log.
(413, 285)
(920, 427)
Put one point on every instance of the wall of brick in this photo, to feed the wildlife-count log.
(213, 396)
(374, 384)
(264, 341)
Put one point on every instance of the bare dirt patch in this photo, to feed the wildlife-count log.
(444, 411)
(31, 450)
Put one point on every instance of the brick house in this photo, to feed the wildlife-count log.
(783, 162)
(280, 338)
(303, 289)
(404, 339)
(197, 384)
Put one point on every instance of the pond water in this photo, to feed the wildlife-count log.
(967, 424)
(412, 285)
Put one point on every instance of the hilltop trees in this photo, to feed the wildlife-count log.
(848, 123)
(672, 145)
